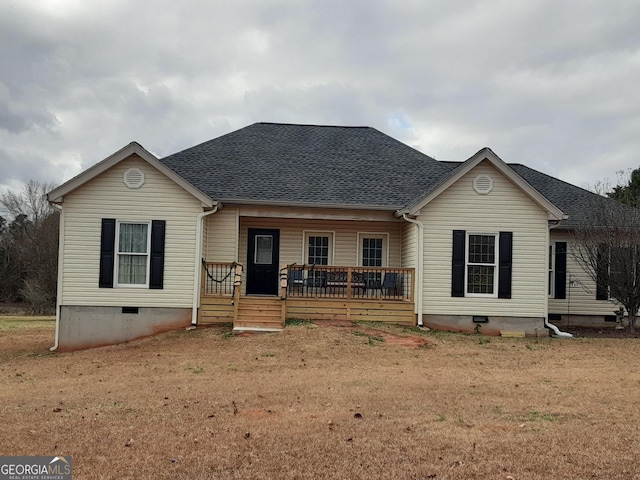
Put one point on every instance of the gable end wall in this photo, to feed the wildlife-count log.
(106, 196)
(505, 209)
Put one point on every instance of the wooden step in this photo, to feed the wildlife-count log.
(263, 313)
(238, 330)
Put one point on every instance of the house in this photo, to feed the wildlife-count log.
(274, 221)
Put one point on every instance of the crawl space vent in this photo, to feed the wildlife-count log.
(134, 178)
(483, 184)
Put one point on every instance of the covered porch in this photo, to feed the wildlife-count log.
(308, 292)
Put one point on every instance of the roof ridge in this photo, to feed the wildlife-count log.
(313, 125)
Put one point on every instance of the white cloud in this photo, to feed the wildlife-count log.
(549, 84)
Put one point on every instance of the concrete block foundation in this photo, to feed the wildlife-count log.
(87, 327)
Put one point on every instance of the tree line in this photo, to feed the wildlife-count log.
(29, 248)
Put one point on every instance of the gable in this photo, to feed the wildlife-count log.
(478, 183)
(133, 178)
(464, 203)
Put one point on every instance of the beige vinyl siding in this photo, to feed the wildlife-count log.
(409, 235)
(345, 237)
(505, 209)
(222, 235)
(581, 297)
(107, 197)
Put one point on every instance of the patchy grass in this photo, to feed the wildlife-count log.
(293, 322)
(320, 403)
(13, 322)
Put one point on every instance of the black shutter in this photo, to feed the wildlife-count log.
(156, 268)
(560, 268)
(505, 264)
(458, 262)
(107, 252)
(602, 273)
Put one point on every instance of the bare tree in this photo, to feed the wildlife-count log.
(29, 247)
(30, 202)
(607, 246)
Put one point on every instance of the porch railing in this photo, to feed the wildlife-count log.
(220, 278)
(365, 283)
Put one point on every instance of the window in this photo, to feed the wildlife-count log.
(481, 264)
(318, 250)
(373, 249)
(373, 253)
(132, 254)
(263, 254)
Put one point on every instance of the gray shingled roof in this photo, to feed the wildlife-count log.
(332, 165)
(308, 164)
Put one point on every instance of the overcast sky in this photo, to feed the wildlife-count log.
(552, 84)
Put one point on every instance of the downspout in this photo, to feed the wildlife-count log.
(197, 265)
(556, 330)
(419, 265)
(60, 268)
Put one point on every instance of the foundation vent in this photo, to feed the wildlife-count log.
(133, 178)
(483, 184)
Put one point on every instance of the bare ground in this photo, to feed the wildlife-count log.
(330, 401)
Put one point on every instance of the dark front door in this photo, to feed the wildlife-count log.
(263, 259)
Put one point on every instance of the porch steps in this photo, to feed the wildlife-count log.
(259, 314)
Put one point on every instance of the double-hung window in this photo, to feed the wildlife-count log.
(133, 254)
(481, 264)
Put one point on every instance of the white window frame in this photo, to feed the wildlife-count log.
(385, 246)
(118, 253)
(467, 264)
(318, 233)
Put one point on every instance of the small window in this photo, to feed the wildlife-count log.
(264, 250)
(481, 264)
(132, 266)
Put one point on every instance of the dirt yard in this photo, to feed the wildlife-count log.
(324, 402)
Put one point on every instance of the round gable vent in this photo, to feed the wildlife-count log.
(483, 184)
(134, 178)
